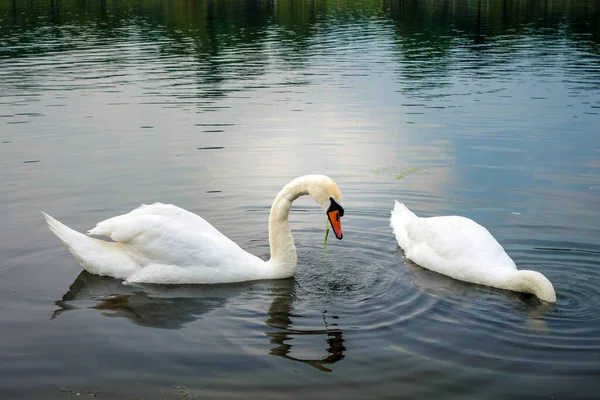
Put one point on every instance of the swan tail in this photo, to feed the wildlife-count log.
(400, 217)
(95, 256)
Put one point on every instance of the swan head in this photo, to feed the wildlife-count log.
(325, 191)
(535, 283)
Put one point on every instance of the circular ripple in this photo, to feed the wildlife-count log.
(511, 332)
(361, 279)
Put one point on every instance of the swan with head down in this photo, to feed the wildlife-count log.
(462, 249)
(162, 243)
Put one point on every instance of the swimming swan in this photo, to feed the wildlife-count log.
(462, 249)
(162, 243)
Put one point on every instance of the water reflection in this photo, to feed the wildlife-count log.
(280, 317)
(455, 292)
(152, 306)
(166, 307)
(437, 284)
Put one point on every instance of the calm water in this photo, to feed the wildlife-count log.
(486, 109)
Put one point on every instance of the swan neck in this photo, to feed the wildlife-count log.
(281, 241)
(526, 281)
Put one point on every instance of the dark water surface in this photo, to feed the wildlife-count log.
(487, 109)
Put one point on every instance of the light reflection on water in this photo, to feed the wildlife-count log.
(487, 109)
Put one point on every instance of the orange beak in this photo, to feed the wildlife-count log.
(336, 225)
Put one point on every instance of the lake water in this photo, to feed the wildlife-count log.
(488, 109)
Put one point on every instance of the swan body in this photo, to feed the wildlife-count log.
(162, 243)
(462, 249)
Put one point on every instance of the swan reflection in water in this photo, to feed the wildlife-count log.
(172, 307)
(280, 318)
(442, 286)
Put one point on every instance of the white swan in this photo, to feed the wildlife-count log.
(462, 249)
(162, 243)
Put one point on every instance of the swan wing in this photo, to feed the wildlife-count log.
(117, 225)
(169, 235)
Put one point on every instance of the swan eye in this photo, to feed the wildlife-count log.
(334, 206)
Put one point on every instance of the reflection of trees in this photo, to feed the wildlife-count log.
(233, 23)
(493, 17)
(424, 38)
(427, 33)
(228, 44)
(172, 307)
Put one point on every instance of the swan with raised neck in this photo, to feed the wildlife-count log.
(165, 244)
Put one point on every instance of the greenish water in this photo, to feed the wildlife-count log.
(488, 109)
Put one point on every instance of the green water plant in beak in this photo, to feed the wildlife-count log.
(326, 235)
